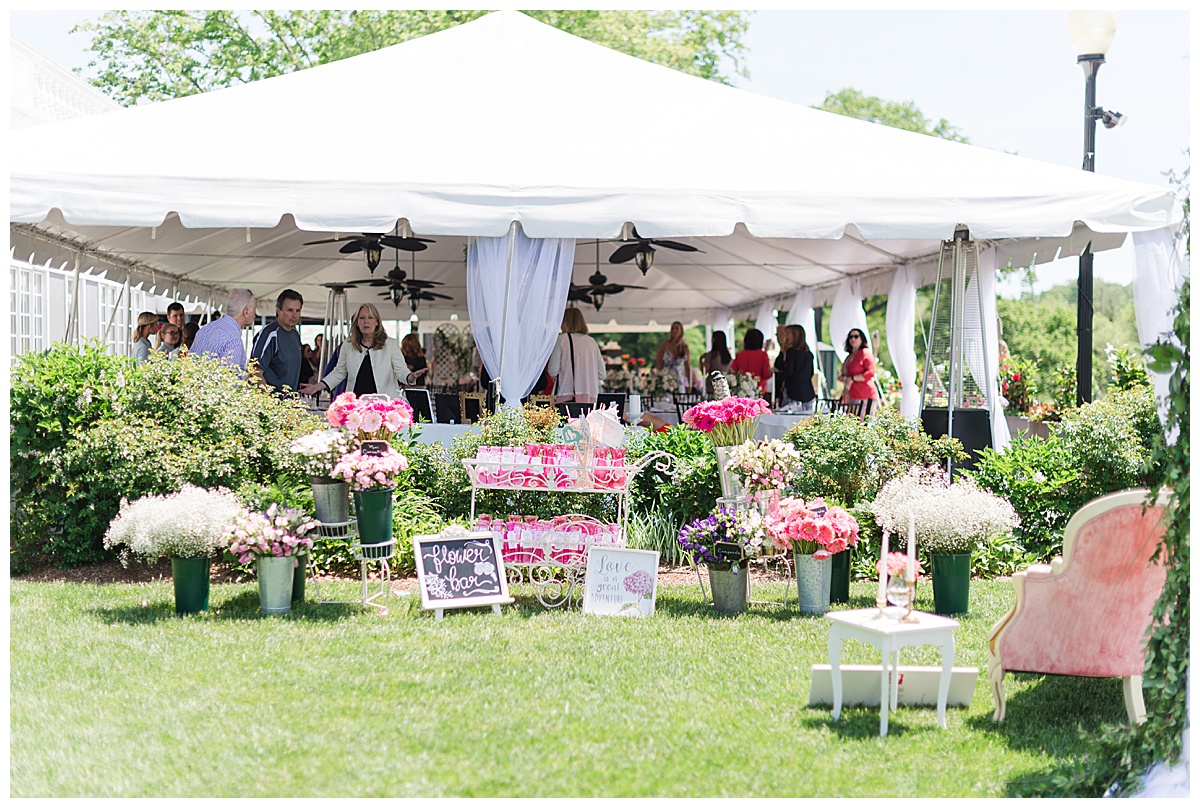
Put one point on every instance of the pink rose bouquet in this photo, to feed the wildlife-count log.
(279, 532)
(897, 565)
(727, 421)
(372, 418)
(811, 529)
(370, 472)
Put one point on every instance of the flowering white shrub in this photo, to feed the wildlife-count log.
(190, 524)
(947, 518)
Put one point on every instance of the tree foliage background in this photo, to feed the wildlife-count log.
(156, 55)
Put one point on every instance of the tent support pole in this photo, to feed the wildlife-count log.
(512, 245)
(116, 306)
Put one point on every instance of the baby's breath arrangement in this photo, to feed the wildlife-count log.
(948, 519)
(192, 523)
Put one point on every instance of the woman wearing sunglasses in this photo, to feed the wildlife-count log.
(858, 373)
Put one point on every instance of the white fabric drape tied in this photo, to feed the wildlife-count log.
(901, 322)
(516, 294)
(803, 315)
(1159, 268)
(846, 313)
(723, 321)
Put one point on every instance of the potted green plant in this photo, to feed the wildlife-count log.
(724, 541)
(948, 522)
(189, 526)
(275, 541)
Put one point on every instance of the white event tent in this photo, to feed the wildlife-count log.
(530, 144)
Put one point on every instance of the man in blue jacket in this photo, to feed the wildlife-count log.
(277, 347)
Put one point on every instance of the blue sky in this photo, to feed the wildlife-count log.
(1007, 79)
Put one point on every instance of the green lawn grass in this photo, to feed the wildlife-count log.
(115, 699)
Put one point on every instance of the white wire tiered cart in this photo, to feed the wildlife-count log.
(366, 555)
(555, 567)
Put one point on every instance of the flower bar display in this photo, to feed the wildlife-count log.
(563, 540)
(548, 466)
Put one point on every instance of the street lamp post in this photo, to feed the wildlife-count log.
(1091, 34)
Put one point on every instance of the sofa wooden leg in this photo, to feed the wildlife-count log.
(996, 676)
(1135, 705)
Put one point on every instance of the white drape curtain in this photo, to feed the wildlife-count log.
(1001, 437)
(723, 321)
(803, 315)
(766, 320)
(1159, 268)
(901, 324)
(516, 294)
(981, 346)
(846, 313)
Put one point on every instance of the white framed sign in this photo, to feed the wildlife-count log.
(620, 582)
(457, 568)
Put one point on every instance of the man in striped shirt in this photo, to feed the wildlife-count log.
(222, 339)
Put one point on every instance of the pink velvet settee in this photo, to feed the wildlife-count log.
(1086, 613)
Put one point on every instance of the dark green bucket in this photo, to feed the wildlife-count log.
(373, 509)
(191, 579)
(951, 583)
(839, 581)
(298, 579)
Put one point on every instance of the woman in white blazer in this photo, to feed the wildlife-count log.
(369, 361)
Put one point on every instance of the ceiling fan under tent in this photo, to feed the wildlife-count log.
(763, 186)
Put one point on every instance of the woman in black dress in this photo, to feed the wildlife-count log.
(794, 366)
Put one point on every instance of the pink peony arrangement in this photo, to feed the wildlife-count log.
(373, 418)
(897, 565)
(727, 421)
(812, 528)
(370, 472)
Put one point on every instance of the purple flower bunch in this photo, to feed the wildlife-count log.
(744, 528)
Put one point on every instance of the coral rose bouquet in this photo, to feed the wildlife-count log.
(370, 417)
(370, 472)
(811, 528)
(280, 532)
(729, 421)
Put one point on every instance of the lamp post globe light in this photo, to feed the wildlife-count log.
(1091, 35)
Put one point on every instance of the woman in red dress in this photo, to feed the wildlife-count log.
(753, 359)
(858, 372)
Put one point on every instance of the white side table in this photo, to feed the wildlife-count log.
(866, 625)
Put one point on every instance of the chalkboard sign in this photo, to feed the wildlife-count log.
(621, 582)
(456, 568)
(374, 448)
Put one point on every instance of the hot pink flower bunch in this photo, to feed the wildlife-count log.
(372, 418)
(805, 529)
(728, 421)
(897, 565)
(370, 472)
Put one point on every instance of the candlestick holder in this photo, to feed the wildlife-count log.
(912, 598)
